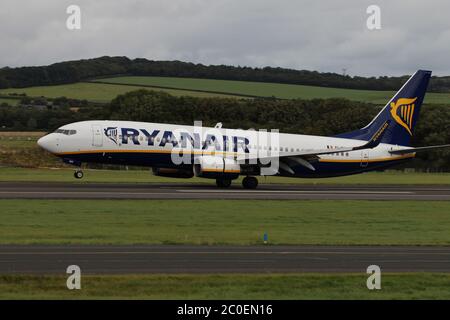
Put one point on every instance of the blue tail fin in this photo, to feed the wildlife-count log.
(403, 111)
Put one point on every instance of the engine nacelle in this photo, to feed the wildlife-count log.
(214, 167)
(172, 173)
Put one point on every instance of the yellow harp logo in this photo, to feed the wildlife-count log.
(402, 111)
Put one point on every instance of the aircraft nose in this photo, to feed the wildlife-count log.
(47, 143)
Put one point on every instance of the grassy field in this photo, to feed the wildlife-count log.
(102, 92)
(17, 140)
(145, 176)
(248, 286)
(93, 91)
(285, 91)
(12, 102)
(20, 149)
(224, 222)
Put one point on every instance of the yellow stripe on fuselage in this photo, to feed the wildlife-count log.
(148, 151)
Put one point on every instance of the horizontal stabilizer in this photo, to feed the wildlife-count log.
(413, 150)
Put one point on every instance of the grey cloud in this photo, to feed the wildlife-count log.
(303, 34)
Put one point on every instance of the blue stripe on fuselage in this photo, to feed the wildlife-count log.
(336, 169)
(163, 160)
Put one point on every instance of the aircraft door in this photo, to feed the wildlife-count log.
(364, 158)
(97, 136)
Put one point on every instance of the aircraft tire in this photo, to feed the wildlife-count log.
(250, 183)
(223, 183)
(78, 174)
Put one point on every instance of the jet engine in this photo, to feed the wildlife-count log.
(215, 167)
(173, 173)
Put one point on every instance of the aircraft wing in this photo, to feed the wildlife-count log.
(414, 150)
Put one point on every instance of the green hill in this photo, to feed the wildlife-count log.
(104, 90)
(96, 92)
(262, 89)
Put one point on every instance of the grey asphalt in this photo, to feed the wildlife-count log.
(220, 259)
(42, 190)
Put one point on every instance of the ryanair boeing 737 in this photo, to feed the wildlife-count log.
(225, 154)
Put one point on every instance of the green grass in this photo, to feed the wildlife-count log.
(22, 151)
(96, 92)
(18, 140)
(12, 102)
(101, 92)
(18, 143)
(145, 176)
(224, 222)
(285, 91)
(248, 286)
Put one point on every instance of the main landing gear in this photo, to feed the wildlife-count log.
(78, 174)
(250, 183)
(223, 183)
(247, 183)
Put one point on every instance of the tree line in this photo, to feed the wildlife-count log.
(317, 117)
(79, 70)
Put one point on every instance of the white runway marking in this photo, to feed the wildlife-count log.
(225, 252)
(297, 191)
(208, 191)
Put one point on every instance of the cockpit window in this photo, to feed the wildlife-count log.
(66, 132)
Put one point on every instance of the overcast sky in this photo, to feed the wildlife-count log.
(325, 35)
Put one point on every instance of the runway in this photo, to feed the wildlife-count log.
(38, 190)
(220, 259)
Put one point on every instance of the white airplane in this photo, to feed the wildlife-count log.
(224, 154)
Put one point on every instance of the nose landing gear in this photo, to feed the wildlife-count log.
(78, 174)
